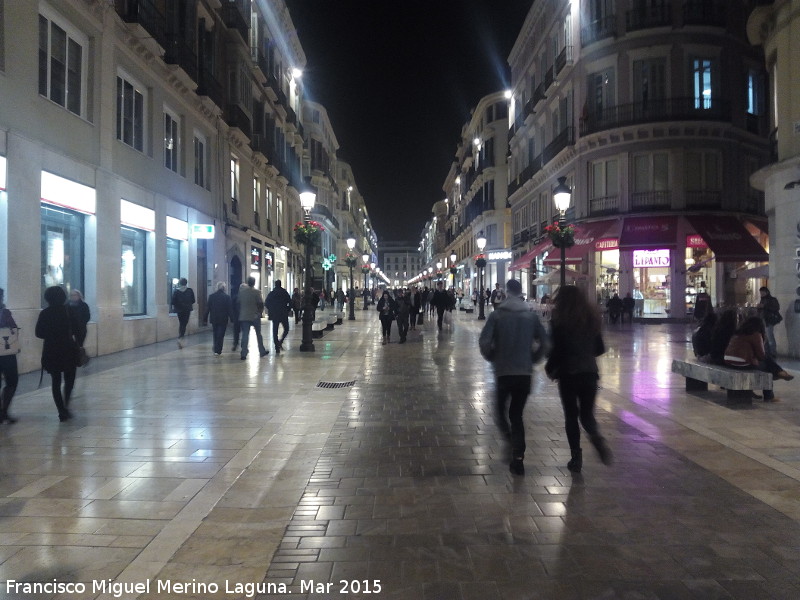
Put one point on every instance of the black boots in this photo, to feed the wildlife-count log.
(517, 467)
(602, 448)
(576, 463)
(5, 401)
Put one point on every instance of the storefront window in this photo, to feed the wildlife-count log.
(62, 248)
(173, 267)
(133, 276)
(651, 277)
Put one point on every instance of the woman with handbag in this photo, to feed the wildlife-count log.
(82, 315)
(59, 351)
(9, 348)
(576, 342)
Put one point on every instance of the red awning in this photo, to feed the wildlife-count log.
(728, 238)
(587, 236)
(524, 261)
(643, 233)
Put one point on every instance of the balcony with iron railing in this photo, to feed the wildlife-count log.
(324, 211)
(650, 15)
(236, 15)
(604, 205)
(657, 110)
(711, 13)
(651, 200)
(600, 29)
(519, 120)
(703, 199)
(549, 78)
(561, 141)
(236, 117)
(207, 85)
(178, 51)
(146, 14)
(563, 59)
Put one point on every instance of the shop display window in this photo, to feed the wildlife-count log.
(133, 272)
(173, 267)
(62, 248)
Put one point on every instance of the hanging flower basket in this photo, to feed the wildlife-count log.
(350, 259)
(365, 268)
(480, 261)
(562, 237)
(308, 233)
(453, 270)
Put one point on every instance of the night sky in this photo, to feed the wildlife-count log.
(399, 80)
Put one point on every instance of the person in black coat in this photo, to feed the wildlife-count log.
(81, 314)
(182, 301)
(387, 308)
(59, 351)
(721, 335)
(614, 306)
(279, 307)
(8, 364)
(219, 308)
(416, 306)
(441, 301)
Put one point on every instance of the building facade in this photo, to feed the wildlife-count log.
(144, 142)
(476, 203)
(656, 114)
(776, 28)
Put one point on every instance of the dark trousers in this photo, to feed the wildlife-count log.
(298, 312)
(439, 317)
(402, 327)
(256, 325)
(10, 373)
(183, 321)
(62, 401)
(413, 318)
(630, 315)
(517, 388)
(237, 332)
(275, 323)
(578, 394)
(218, 331)
(386, 326)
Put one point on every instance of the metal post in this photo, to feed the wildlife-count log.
(365, 289)
(562, 222)
(307, 344)
(481, 315)
(352, 292)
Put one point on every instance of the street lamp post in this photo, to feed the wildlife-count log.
(307, 199)
(561, 197)
(351, 262)
(480, 263)
(365, 271)
(453, 269)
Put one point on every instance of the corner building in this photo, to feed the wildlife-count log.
(656, 113)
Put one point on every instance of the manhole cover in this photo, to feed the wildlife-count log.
(335, 384)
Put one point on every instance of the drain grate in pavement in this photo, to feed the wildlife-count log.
(332, 385)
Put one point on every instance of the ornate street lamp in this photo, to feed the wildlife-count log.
(562, 195)
(350, 261)
(480, 262)
(307, 199)
(365, 271)
(453, 269)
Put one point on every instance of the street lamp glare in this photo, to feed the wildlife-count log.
(453, 258)
(365, 258)
(481, 241)
(562, 195)
(351, 243)
(507, 94)
(438, 264)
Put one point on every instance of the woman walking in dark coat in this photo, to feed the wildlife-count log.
(59, 352)
(387, 308)
(8, 364)
(576, 342)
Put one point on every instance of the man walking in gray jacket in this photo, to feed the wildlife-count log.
(513, 339)
(251, 307)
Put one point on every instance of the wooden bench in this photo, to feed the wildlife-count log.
(739, 383)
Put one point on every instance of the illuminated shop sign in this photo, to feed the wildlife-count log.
(695, 241)
(201, 231)
(643, 259)
(606, 244)
(499, 255)
(255, 258)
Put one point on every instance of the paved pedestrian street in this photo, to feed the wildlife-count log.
(374, 471)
